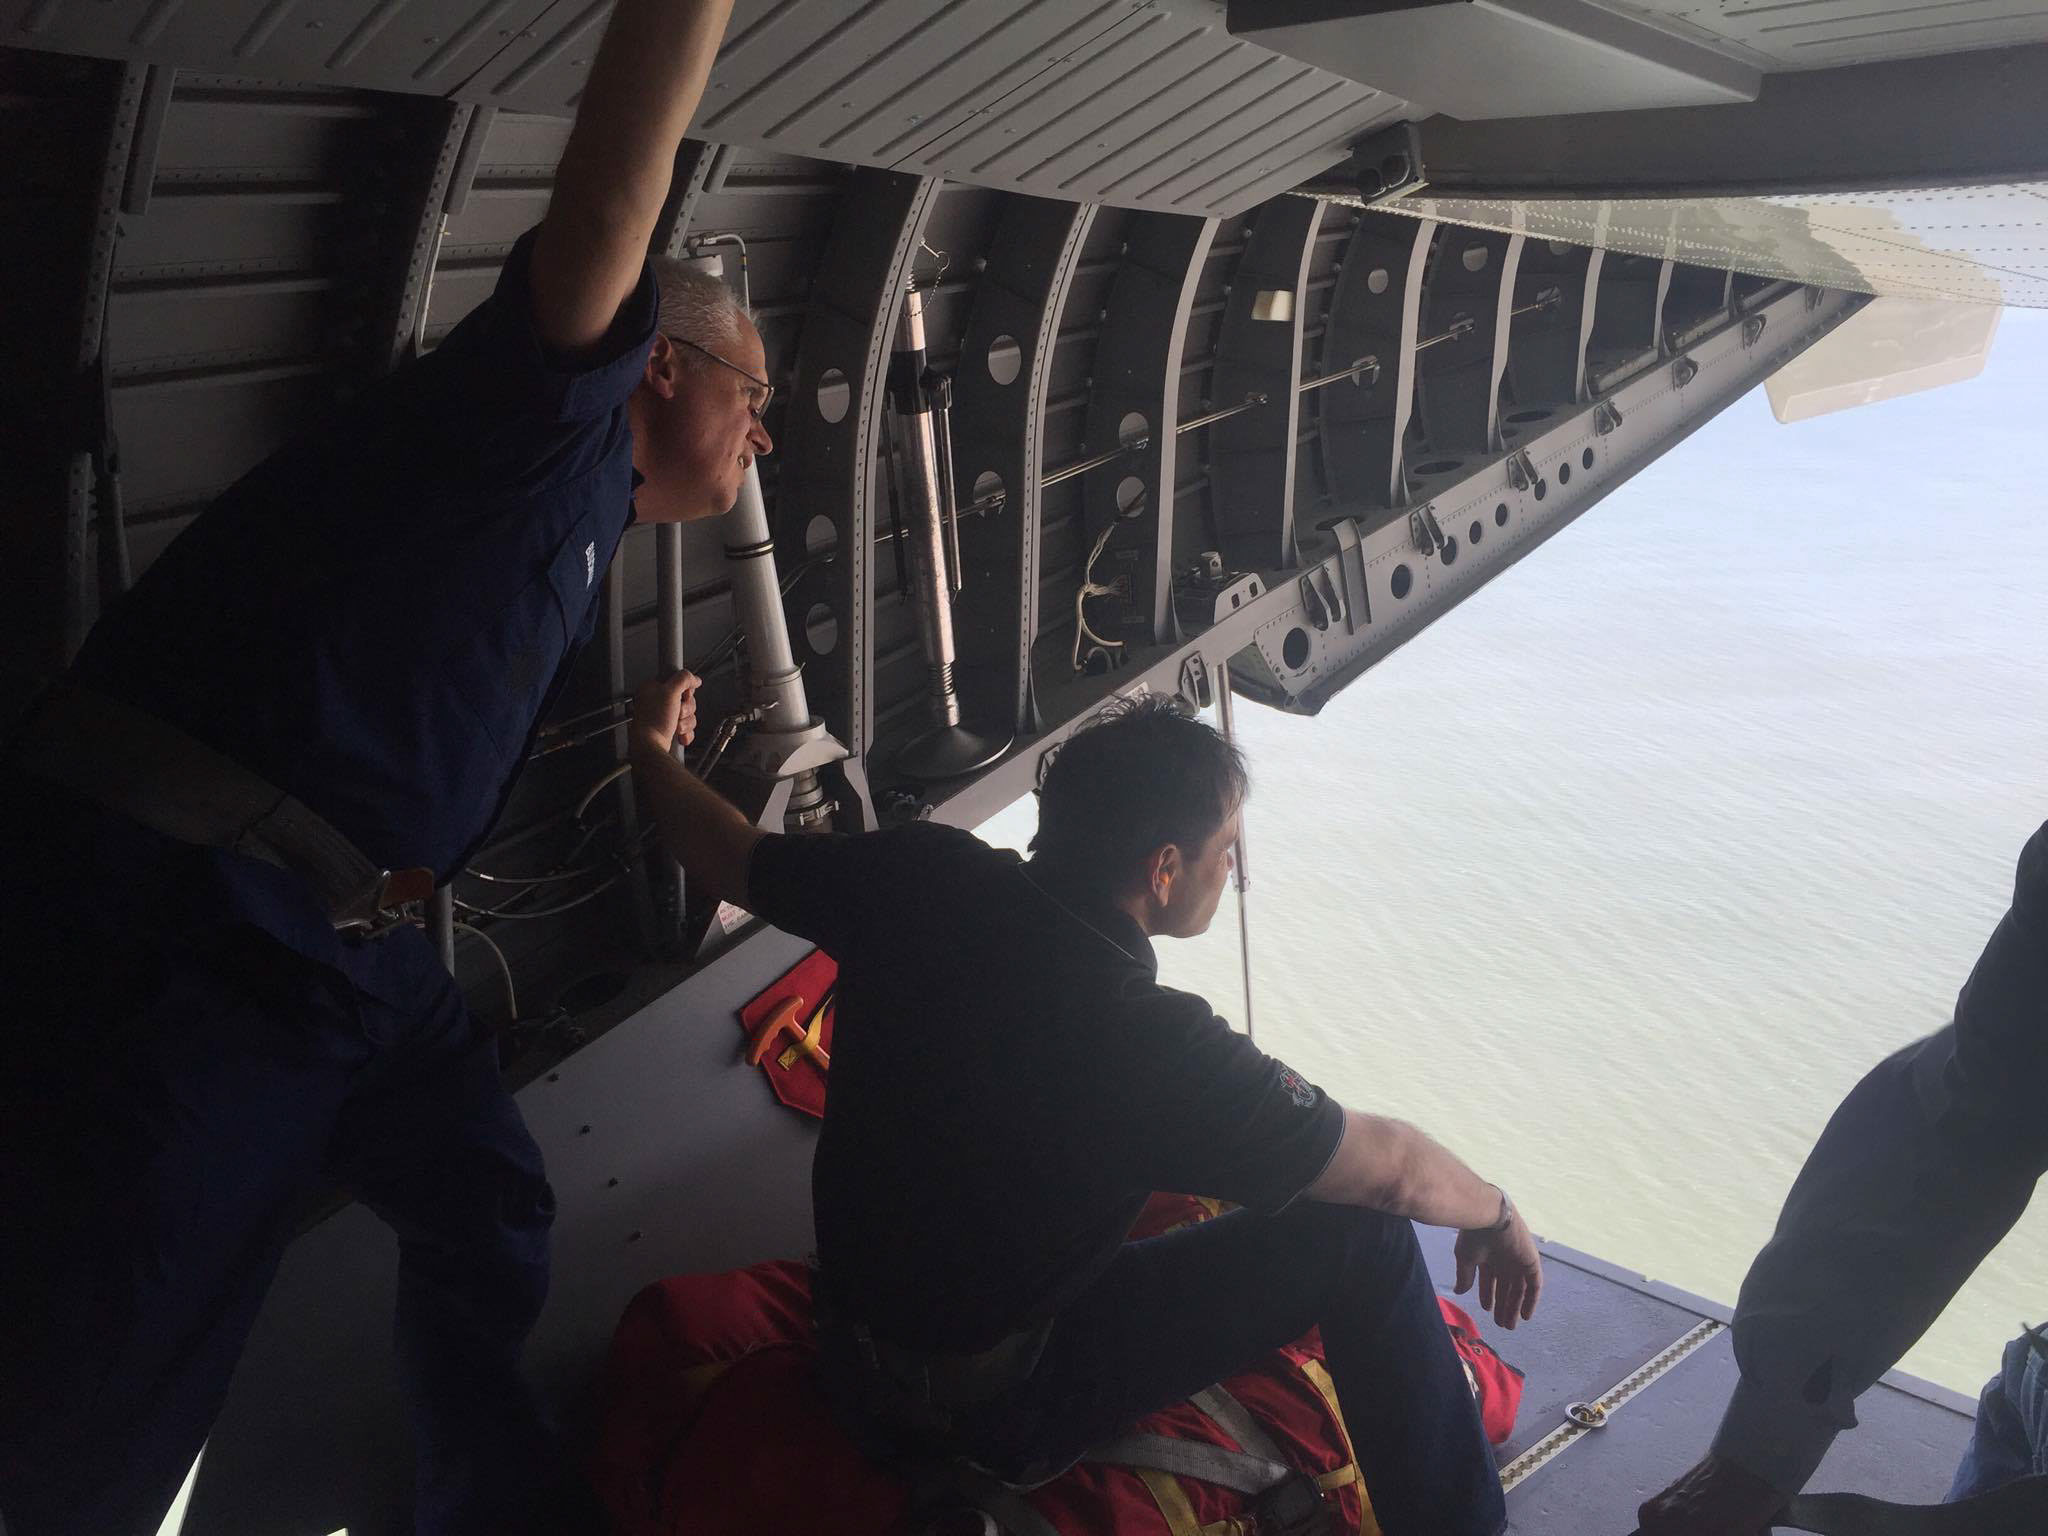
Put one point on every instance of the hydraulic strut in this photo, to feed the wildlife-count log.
(922, 468)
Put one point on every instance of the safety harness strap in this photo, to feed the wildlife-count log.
(1235, 1420)
(132, 763)
(1235, 1470)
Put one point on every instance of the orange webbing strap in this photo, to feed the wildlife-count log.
(1319, 1378)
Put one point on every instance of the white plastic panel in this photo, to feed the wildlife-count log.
(1891, 347)
(1982, 245)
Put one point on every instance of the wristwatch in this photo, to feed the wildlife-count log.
(1507, 1212)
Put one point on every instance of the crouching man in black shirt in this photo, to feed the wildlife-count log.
(1010, 1081)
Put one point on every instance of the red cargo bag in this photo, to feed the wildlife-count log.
(710, 1424)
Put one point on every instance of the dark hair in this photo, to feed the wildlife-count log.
(1143, 773)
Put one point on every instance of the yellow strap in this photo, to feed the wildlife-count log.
(1172, 1500)
(1319, 1378)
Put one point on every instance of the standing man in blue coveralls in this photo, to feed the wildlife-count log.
(334, 674)
(1924, 1167)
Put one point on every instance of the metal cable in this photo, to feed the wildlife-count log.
(504, 965)
(506, 915)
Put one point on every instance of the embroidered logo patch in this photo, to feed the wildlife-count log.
(1298, 1086)
(590, 562)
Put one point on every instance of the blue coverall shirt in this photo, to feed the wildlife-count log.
(377, 618)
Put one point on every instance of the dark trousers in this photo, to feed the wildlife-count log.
(170, 1102)
(1173, 1314)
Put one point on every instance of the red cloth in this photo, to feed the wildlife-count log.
(710, 1424)
(800, 1085)
(1496, 1384)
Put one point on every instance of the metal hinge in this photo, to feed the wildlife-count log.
(1423, 530)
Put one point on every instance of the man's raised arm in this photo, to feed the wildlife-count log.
(642, 92)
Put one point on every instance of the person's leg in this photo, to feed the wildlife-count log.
(2010, 1438)
(155, 1143)
(435, 1146)
(1173, 1314)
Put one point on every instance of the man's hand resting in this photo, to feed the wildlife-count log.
(1507, 1266)
(1715, 1498)
(664, 713)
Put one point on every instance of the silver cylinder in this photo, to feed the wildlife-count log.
(919, 496)
(668, 594)
(665, 887)
(757, 608)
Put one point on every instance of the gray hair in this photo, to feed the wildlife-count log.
(695, 306)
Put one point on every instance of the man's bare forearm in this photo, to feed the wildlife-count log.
(701, 829)
(644, 87)
(1389, 1165)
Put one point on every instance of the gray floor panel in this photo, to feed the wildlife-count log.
(1905, 1450)
(667, 1155)
(1587, 1334)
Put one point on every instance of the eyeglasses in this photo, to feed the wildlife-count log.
(757, 397)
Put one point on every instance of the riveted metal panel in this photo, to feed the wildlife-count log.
(1002, 382)
(1374, 312)
(1626, 309)
(283, 240)
(1137, 380)
(1311, 473)
(1252, 455)
(1115, 101)
(1165, 111)
(420, 46)
(1063, 540)
(831, 440)
(1545, 346)
(1456, 377)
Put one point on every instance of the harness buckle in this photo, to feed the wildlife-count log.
(380, 908)
(1293, 1506)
